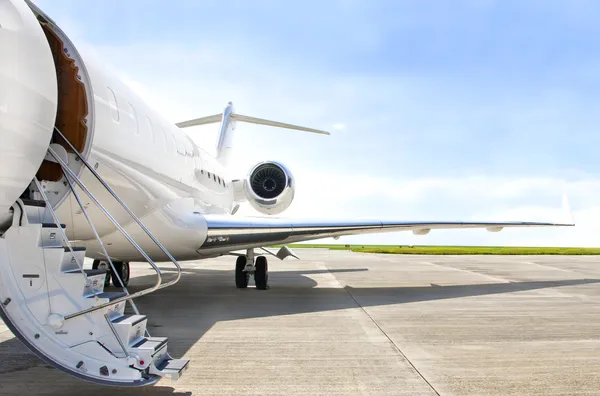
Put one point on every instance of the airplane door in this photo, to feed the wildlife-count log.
(28, 99)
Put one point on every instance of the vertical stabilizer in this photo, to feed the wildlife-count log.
(225, 142)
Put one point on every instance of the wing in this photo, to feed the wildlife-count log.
(235, 233)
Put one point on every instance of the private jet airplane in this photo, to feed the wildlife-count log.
(89, 170)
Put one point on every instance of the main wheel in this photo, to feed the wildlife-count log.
(261, 273)
(122, 268)
(101, 264)
(241, 276)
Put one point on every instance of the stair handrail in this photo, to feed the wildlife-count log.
(79, 265)
(110, 262)
(127, 236)
(110, 190)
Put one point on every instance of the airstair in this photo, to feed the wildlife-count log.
(61, 311)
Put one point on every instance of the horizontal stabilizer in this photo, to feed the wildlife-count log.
(251, 120)
(201, 121)
(254, 120)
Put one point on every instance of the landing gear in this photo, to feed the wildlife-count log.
(122, 268)
(261, 273)
(241, 276)
(244, 268)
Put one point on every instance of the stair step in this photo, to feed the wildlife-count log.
(53, 225)
(51, 236)
(96, 278)
(151, 350)
(130, 328)
(172, 368)
(37, 212)
(69, 261)
(88, 272)
(109, 295)
(34, 202)
(129, 319)
(150, 344)
(75, 248)
(117, 310)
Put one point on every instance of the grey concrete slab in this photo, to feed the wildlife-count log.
(338, 323)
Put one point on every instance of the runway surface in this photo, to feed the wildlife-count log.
(343, 323)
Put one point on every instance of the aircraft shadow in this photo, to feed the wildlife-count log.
(203, 297)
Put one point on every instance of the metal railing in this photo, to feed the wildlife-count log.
(79, 265)
(71, 176)
(110, 262)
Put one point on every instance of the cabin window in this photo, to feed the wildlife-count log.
(136, 126)
(174, 141)
(189, 148)
(169, 143)
(180, 146)
(162, 138)
(112, 103)
(151, 132)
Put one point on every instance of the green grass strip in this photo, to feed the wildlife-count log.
(453, 250)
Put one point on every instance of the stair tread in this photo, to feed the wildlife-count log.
(34, 202)
(176, 365)
(75, 248)
(88, 272)
(110, 295)
(53, 225)
(150, 343)
(130, 319)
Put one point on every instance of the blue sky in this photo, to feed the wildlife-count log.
(439, 110)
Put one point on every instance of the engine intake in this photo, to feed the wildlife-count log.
(269, 187)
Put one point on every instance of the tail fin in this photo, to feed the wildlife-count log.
(225, 143)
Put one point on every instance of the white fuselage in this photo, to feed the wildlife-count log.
(151, 164)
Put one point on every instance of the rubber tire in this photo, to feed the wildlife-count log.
(96, 265)
(261, 273)
(123, 270)
(241, 277)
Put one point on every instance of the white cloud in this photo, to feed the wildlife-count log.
(468, 199)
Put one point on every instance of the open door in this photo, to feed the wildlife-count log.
(28, 99)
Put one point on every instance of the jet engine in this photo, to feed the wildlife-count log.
(269, 187)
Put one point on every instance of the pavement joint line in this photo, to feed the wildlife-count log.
(384, 333)
(496, 278)
(552, 291)
(554, 268)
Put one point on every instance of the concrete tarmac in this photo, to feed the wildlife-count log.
(343, 323)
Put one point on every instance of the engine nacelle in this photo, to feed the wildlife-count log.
(269, 187)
